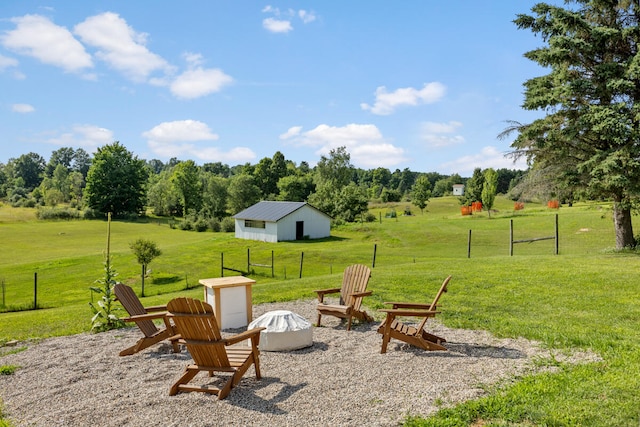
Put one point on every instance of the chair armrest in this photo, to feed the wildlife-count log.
(243, 336)
(155, 308)
(362, 294)
(147, 316)
(322, 292)
(410, 305)
(327, 291)
(410, 313)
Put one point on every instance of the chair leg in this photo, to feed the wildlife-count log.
(128, 351)
(256, 366)
(141, 344)
(319, 317)
(184, 379)
(224, 391)
(386, 333)
(349, 323)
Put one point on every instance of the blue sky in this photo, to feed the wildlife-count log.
(419, 84)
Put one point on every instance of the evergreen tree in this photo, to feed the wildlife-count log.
(591, 99)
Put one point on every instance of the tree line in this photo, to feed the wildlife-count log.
(115, 180)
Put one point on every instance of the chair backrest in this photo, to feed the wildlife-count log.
(434, 304)
(354, 280)
(443, 289)
(134, 307)
(197, 325)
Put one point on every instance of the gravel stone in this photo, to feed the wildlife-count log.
(341, 380)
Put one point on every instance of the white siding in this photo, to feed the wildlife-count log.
(267, 234)
(316, 226)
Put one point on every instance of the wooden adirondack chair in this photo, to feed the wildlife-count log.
(198, 328)
(354, 283)
(391, 327)
(143, 317)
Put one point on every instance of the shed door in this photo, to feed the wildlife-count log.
(299, 230)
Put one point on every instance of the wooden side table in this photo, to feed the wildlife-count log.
(230, 298)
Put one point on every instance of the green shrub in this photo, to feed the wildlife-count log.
(214, 225)
(104, 317)
(201, 225)
(228, 224)
(57, 213)
(90, 213)
(186, 225)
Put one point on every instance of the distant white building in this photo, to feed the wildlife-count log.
(269, 221)
(458, 189)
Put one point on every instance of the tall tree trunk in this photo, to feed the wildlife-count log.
(623, 227)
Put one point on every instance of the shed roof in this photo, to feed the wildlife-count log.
(271, 211)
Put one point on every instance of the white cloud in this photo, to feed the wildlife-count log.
(281, 22)
(277, 25)
(180, 130)
(6, 62)
(38, 37)
(387, 102)
(306, 16)
(291, 132)
(434, 127)
(438, 135)
(377, 155)
(120, 46)
(193, 59)
(365, 143)
(439, 141)
(199, 82)
(22, 108)
(178, 138)
(88, 136)
(488, 157)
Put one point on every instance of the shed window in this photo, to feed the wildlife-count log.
(250, 223)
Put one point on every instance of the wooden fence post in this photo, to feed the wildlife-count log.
(375, 249)
(35, 290)
(556, 234)
(510, 237)
(301, 258)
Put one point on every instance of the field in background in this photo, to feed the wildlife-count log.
(66, 257)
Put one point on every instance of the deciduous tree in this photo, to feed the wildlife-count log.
(489, 189)
(145, 251)
(243, 192)
(116, 181)
(186, 180)
(421, 192)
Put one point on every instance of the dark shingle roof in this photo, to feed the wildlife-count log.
(269, 211)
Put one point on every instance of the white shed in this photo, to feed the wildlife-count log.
(269, 221)
(458, 189)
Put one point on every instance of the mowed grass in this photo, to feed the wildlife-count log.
(585, 298)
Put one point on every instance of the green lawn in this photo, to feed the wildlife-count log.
(584, 298)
